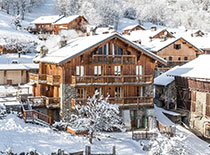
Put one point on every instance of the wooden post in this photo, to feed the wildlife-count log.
(114, 150)
(87, 150)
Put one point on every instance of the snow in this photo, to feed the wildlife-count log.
(130, 27)
(66, 20)
(124, 22)
(197, 68)
(163, 79)
(82, 44)
(24, 59)
(18, 66)
(47, 19)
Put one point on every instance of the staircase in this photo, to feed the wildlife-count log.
(33, 116)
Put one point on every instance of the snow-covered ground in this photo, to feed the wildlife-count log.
(18, 137)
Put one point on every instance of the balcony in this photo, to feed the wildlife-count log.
(173, 63)
(53, 79)
(111, 79)
(45, 79)
(132, 101)
(43, 101)
(37, 78)
(114, 59)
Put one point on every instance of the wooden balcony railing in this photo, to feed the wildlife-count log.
(173, 63)
(123, 101)
(43, 78)
(49, 102)
(52, 102)
(37, 78)
(114, 59)
(104, 79)
(53, 79)
(35, 116)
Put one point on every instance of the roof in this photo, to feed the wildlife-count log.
(18, 66)
(82, 44)
(66, 20)
(47, 19)
(163, 79)
(124, 22)
(130, 27)
(197, 68)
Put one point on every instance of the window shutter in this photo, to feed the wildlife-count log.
(77, 70)
(137, 70)
(95, 70)
(99, 70)
(82, 70)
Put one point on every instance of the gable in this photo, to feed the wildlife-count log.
(163, 32)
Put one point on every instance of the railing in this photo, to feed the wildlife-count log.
(112, 79)
(121, 101)
(49, 102)
(37, 78)
(114, 59)
(43, 78)
(53, 79)
(173, 63)
(52, 102)
(33, 116)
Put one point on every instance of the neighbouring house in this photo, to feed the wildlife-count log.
(108, 63)
(76, 22)
(54, 24)
(44, 24)
(131, 28)
(192, 82)
(165, 90)
(14, 74)
(177, 51)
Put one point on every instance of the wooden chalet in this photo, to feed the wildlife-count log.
(192, 82)
(54, 24)
(108, 63)
(44, 24)
(131, 28)
(161, 34)
(75, 22)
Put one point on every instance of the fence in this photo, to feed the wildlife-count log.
(168, 130)
(88, 151)
(144, 135)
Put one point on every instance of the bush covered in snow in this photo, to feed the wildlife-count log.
(97, 115)
(2, 111)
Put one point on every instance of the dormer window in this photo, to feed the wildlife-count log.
(177, 46)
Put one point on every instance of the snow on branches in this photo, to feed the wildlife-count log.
(97, 115)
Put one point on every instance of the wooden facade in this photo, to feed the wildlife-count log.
(113, 67)
(193, 95)
(162, 33)
(178, 52)
(78, 24)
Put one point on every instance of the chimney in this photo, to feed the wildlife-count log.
(43, 51)
(63, 42)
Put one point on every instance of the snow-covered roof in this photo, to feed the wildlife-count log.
(124, 22)
(82, 44)
(197, 68)
(163, 79)
(47, 19)
(18, 66)
(130, 27)
(66, 20)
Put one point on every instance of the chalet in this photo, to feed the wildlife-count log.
(75, 22)
(131, 28)
(14, 74)
(54, 24)
(192, 82)
(177, 51)
(44, 24)
(108, 63)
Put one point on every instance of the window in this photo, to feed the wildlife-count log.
(100, 51)
(81, 93)
(81, 58)
(118, 92)
(170, 58)
(80, 70)
(106, 49)
(128, 53)
(97, 70)
(139, 71)
(185, 58)
(179, 58)
(177, 46)
(114, 49)
(117, 70)
(139, 91)
(100, 90)
(120, 52)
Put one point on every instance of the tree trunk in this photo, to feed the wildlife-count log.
(91, 138)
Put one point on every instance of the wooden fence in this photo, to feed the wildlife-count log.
(88, 151)
(168, 130)
(143, 135)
